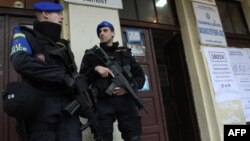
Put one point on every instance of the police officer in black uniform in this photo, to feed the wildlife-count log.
(120, 105)
(31, 57)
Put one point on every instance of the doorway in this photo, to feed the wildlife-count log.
(175, 86)
(168, 96)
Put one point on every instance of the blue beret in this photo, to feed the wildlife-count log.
(47, 6)
(104, 24)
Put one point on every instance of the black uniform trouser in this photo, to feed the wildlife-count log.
(53, 125)
(124, 110)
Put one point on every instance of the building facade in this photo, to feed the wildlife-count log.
(168, 39)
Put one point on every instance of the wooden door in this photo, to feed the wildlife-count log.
(2, 54)
(153, 124)
(7, 73)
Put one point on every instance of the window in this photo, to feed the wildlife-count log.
(155, 11)
(232, 17)
(27, 4)
(164, 12)
(129, 10)
(146, 11)
(12, 3)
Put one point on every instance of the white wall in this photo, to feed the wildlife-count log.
(82, 22)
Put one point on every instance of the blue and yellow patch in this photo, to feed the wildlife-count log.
(20, 42)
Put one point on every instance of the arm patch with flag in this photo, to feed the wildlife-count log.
(19, 42)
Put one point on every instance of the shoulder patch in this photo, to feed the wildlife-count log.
(19, 42)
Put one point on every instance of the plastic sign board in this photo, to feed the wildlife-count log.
(133, 36)
(115, 4)
(209, 25)
(211, 2)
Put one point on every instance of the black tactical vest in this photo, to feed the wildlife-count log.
(121, 55)
(43, 45)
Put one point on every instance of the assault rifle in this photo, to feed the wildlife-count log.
(121, 77)
(82, 103)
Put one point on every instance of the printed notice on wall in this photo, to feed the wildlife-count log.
(209, 24)
(246, 108)
(241, 68)
(212, 2)
(220, 68)
(137, 49)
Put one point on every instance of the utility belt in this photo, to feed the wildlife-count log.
(101, 86)
(107, 93)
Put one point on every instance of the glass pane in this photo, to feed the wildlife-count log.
(237, 18)
(225, 17)
(164, 12)
(29, 3)
(146, 10)
(128, 11)
(12, 3)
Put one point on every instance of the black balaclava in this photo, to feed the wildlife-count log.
(49, 29)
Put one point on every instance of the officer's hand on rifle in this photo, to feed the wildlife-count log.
(103, 71)
(119, 91)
